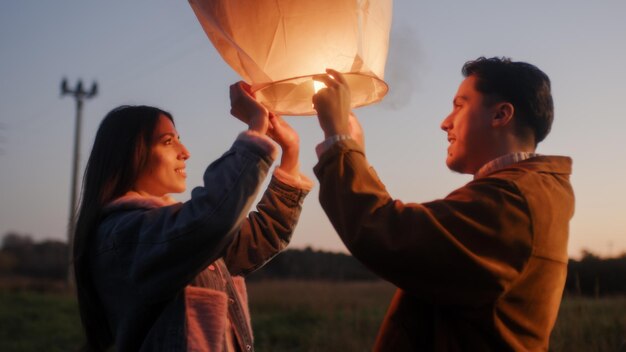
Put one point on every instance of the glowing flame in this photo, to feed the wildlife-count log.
(317, 85)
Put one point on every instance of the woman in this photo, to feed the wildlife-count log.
(155, 274)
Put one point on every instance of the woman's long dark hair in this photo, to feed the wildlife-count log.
(120, 151)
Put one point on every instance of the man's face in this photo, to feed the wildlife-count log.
(469, 129)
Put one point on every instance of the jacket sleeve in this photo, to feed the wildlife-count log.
(464, 249)
(266, 231)
(167, 247)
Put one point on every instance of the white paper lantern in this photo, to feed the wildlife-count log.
(277, 46)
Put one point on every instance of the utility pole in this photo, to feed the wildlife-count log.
(79, 95)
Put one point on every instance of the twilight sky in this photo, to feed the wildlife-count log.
(155, 52)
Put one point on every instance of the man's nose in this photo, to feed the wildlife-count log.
(446, 123)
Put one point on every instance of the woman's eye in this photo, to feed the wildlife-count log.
(167, 141)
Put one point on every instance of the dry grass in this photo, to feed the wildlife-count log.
(588, 324)
(317, 316)
(303, 316)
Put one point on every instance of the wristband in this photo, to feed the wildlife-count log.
(328, 142)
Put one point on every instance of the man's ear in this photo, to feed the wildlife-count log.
(503, 114)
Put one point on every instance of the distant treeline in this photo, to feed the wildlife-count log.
(309, 264)
(23, 257)
(595, 276)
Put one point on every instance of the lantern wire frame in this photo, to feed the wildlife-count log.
(293, 96)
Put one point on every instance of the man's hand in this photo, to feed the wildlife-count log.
(244, 107)
(333, 104)
(356, 131)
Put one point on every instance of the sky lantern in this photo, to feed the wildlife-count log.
(277, 46)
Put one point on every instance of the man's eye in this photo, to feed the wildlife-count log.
(168, 141)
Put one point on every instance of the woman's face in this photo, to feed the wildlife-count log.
(165, 170)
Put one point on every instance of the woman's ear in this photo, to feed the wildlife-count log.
(503, 114)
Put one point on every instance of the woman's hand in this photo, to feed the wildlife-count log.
(283, 134)
(333, 104)
(244, 107)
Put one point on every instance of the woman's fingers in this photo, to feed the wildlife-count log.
(247, 109)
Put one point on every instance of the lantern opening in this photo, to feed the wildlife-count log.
(293, 96)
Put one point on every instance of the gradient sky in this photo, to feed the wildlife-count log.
(154, 52)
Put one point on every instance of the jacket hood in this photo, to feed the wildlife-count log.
(134, 200)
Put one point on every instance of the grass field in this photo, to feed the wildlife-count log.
(303, 316)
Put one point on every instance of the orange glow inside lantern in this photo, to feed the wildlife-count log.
(278, 46)
(317, 85)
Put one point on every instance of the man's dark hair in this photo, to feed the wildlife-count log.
(523, 85)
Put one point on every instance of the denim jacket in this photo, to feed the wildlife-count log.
(163, 270)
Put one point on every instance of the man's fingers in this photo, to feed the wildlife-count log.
(327, 80)
(332, 79)
(316, 100)
(337, 76)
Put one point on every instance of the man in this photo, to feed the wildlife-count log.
(482, 269)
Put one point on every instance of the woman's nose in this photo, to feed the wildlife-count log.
(184, 153)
